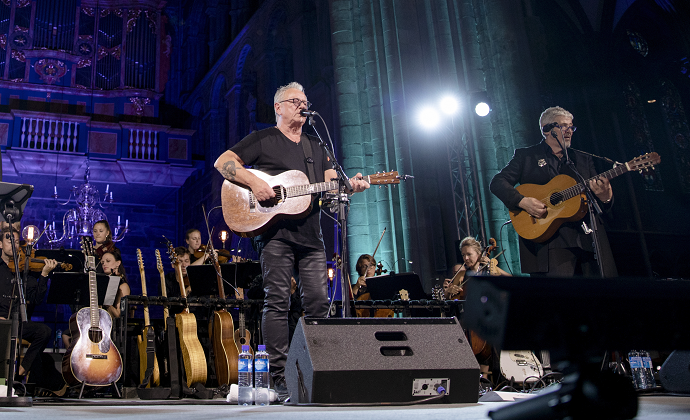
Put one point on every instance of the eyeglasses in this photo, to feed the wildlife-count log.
(566, 128)
(297, 102)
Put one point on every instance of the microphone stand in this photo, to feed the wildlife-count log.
(9, 401)
(592, 205)
(343, 207)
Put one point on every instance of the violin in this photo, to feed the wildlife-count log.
(35, 263)
(224, 255)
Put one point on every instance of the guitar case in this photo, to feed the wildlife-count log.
(161, 393)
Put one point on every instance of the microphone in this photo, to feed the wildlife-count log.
(307, 113)
(549, 127)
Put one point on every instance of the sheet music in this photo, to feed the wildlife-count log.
(110, 294)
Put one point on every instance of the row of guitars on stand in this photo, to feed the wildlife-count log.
(92, 358)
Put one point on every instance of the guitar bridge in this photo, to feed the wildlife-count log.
(96, 356)
(252, 202)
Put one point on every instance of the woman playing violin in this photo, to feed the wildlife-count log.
(102, 238)
(197, 252)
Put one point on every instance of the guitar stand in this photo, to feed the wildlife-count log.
(83, 385)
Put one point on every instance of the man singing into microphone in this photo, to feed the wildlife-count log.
(569, 251)
(290, 245)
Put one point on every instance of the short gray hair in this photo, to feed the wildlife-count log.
(550, 114)
(280, 93)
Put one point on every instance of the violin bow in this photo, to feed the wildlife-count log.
(377, 245)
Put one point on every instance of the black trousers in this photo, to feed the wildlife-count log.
(38, 335)
(279, 262)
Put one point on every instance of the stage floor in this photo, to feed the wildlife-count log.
(651, 408)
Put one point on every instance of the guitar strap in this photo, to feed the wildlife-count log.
(306, 146)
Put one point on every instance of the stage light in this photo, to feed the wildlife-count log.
(30, 234)
(481, 103)
(223, 235)
(482, 109)
(428, 117)
(331, 274)
(449, 105)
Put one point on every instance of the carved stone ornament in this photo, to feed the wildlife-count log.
(139, 104)
(20, 41)
(50, 70)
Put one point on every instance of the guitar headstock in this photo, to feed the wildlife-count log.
(159, 263)
(404, 294)
(140, 260)
(387, 178)
(646, 161)
(437, 292)
(87, 249)
(171, 254)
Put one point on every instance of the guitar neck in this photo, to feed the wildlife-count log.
(147, 320)
(180, 281)
(300, 190)
(579, 188)
(93, 292)
(164, 293)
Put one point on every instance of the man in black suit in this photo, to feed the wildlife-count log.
(570, 250)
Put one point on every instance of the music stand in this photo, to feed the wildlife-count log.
(204, 282)
(388, 286)
(73, 288)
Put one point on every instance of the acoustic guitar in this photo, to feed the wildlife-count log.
(565, 200)
(192, 353)
(221, 330)
(247, 217)
(145, 346)
(242, 336)
(91, 358)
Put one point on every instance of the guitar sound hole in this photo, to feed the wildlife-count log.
(95, 335)
(555, 199)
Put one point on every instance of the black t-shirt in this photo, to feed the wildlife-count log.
(270, 151)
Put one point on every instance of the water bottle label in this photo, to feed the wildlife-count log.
(635, 362)
(261, 365)
(647, 362)
(244, 365)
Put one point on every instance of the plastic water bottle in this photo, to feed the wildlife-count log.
(245, 394)
(639, 375)
(648, 368)
(58, 340)
(261, 379)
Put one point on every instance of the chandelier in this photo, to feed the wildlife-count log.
(79, 221)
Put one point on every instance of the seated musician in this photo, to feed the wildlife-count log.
(36, 333)
(366, 267)
(475, 263)
(172, 287)
(102, 238)
(111, 264)
(197, 256)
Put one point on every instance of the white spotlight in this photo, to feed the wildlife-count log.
(449, 105)
(482, 109)
(428, 117)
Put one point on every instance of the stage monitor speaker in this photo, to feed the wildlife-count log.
(579, 316)
(675, 372)
(379, 360)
